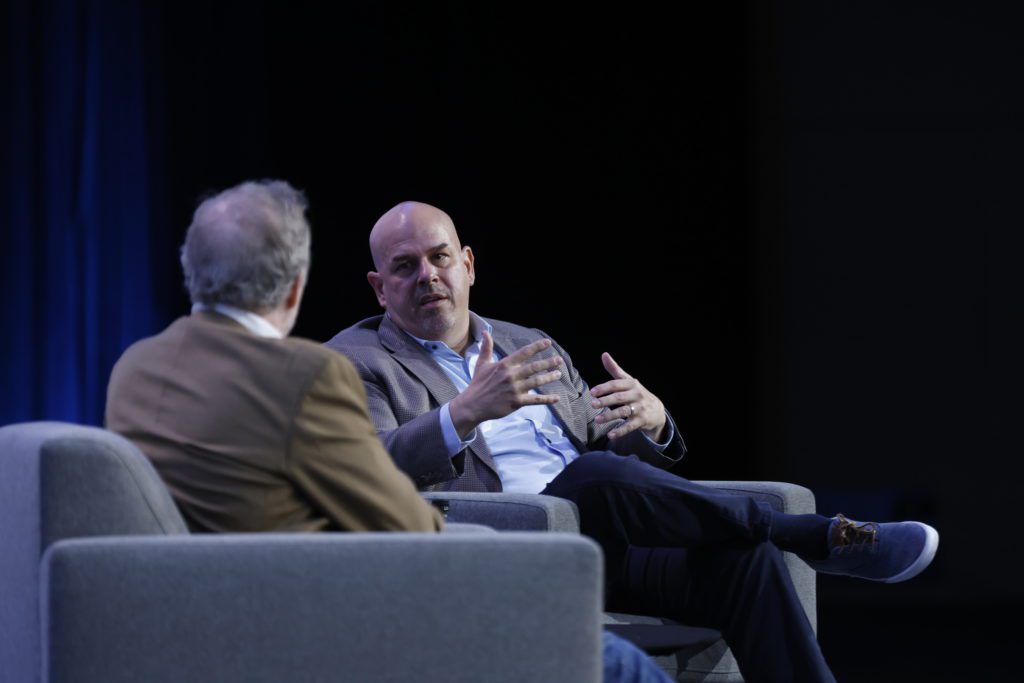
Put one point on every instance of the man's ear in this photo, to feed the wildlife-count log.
(294, 293)
(467, 258)
(377, 282)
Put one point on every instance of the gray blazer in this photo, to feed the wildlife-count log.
(406, 390)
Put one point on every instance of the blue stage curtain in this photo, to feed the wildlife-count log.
(77, 282)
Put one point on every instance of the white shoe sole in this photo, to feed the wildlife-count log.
(931, 544)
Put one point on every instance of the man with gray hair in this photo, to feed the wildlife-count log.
(251, 430)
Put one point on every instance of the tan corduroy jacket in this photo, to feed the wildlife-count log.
(257, 434)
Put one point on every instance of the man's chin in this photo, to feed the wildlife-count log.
(434, 324)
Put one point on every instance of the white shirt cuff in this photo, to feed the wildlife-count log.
(452, 442)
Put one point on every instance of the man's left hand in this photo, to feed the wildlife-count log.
(627, 399)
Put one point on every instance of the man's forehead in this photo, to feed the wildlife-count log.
(411, 227)
(417, 235)
(410, 248)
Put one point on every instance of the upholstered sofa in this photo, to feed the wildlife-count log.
(100, 582)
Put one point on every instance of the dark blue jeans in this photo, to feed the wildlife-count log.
(624, 662)
(697, 555)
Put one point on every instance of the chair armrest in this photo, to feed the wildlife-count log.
(463, 528)
(508, 511)
(793, 499)
(319, 607)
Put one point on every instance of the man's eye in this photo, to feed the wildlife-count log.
(441, 257)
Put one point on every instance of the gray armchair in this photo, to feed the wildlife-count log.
(686, 653)
(101, 581)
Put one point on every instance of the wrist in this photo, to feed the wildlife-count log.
(462, 417)
(657, 433)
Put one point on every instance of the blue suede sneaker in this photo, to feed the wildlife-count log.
(889, 552)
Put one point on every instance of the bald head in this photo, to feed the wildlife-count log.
(423, 274)
(405, 219)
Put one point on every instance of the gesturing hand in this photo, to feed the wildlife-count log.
(501, 387)
(628, 400)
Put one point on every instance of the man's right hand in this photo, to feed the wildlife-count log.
(501, 387)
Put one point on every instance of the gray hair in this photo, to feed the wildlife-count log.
(246, 246)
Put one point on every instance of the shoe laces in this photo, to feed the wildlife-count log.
(851, 536)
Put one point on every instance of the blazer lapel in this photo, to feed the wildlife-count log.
(417, 361)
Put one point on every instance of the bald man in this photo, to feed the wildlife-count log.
(466, 403)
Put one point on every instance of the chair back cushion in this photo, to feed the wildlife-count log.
(57, 481)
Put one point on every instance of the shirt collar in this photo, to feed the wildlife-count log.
(477, 327)
(253, 322)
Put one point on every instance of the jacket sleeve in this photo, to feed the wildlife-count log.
(417, 445)
(337, 460)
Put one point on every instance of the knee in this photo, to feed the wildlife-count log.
(761, 559)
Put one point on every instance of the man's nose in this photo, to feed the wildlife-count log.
(428, 272)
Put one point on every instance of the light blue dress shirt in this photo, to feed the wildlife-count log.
(528, 446)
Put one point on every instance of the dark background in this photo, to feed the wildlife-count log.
(797, 222)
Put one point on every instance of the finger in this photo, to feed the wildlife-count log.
(542, 379)
(521, 355)
(624, 428)
(538, 399)
(529, 369)
(612, 367)
(625, 411)
(486, 349)
(619, 398)
(611, 387)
